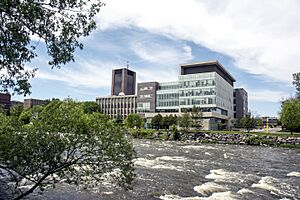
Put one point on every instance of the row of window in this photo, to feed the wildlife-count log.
(143, 96)
(168, 87)
(197, 92)
(198, 101)
(197, 83)
(119, 105)
(168, 103)
(146, 88)
(113, 112)
(168, 96)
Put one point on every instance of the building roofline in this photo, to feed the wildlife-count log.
(212, 62)
(116, 96)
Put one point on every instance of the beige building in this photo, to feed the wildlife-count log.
(117, 105)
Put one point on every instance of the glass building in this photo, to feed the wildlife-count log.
(206, 85)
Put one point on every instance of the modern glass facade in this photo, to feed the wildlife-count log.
(197, 89)
(167, 97)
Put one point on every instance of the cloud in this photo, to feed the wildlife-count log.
(154, 52)
(85, 73)
(267, 96)
(261, 37)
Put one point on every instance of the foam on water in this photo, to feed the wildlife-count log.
(244, 191)
(172, 158)
(296, 174)
(143, 162)
(220, 175)
(157, 164)
(171, 167)
(145, 145)
(275, 186)
(198, 147)
(208, 188)
(221, 196)
(176, 197)
(266, 183)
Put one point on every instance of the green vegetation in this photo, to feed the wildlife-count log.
(290, 114)
(196, 116)
(185, 122)
(156, 121)
(58, 24)
(45, 144)
(296, 83)
(133, 120)
(248, 122)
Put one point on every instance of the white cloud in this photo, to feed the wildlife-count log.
(161, 53)
(262, 37)
(85, 73)
(267, 96)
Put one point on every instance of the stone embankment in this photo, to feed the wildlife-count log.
(250, 139)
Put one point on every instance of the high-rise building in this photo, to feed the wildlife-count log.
(5, 100)
(122, 101)
(240, 103)
(123, 82)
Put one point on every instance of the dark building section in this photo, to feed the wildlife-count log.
(240, 103)
(202, 67)
(123, 82)
(146, 97)
(29, 103)
(5, 100)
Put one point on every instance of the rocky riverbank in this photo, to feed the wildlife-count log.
(250, 139)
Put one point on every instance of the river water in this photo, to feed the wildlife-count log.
(171, 170)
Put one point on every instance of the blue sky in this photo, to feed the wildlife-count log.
(253, 41)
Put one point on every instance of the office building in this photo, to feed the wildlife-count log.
(5, 100)
(146, 100)
(29, 103)
(115, 106)
(123, 82)
(123, 100)
(206, 85)
(240, 101)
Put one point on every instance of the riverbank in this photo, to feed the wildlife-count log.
(222, 137)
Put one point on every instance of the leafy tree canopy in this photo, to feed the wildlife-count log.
(290, 114)
(157, 121)
(58, 23)
(133, 120)
(296, 83)
(62, 142)
(248, 122)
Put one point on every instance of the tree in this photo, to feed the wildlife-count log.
(248, 122)
(58, 24)
(133, 120)
(185, 121)
(119, 119)
(156, 121)
(90, 107)
(296, 83)
(290, 114)
(176, 134)
(64, 143)
(196, 116)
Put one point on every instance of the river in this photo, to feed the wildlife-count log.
(171, 170)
